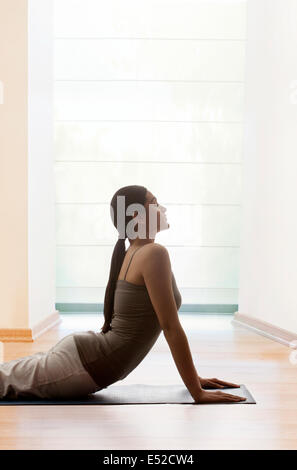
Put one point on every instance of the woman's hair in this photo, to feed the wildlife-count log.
(133, 194)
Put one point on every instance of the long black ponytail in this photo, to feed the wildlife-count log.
(133, 194)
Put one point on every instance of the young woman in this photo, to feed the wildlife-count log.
(141, 301)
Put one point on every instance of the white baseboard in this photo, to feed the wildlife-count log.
(265, 329)
(29, 334)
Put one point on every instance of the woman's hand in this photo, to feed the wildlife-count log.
(217, 397)
(216, 383)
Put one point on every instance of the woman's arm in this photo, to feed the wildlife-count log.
(157, 276)
(180, 350)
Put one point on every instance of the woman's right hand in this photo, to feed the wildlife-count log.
(217, 397)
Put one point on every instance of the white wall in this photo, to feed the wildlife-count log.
(41, 183)
(268, 264)
(151, 93)
(27, 211)
(13, 165)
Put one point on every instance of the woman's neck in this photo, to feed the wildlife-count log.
(140, 242)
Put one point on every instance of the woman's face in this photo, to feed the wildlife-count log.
(157, 211)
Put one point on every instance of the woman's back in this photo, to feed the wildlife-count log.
(134, 329)
(134, 274)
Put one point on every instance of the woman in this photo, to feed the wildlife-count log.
(137, 308)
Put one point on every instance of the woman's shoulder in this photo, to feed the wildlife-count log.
(156, 247)
(153, 250)
(155, 254)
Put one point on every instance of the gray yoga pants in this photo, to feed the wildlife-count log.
(57, 373)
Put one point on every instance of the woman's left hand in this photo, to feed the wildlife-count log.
(216, 383)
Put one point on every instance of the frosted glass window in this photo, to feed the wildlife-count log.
(141, 99)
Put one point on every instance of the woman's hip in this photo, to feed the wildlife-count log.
(58, 372)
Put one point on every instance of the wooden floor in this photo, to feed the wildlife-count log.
(219, 348)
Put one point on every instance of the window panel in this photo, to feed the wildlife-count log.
(222, 19)
(105, 59)
(168, 101)
(148, 141)
(82, 224)
(143, 100)
(203, 267)
(190, 295)
(95, 182)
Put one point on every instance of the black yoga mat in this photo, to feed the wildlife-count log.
(134, 394)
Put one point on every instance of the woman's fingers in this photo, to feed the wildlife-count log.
(211, 384)
(225, 384)
(218, 397)
(216, 385)
(230, 397)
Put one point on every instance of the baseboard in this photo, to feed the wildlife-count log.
(28, 335)
(16, 335)
(46, 324)
(265, 329)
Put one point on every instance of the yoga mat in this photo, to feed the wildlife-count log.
(135, 394)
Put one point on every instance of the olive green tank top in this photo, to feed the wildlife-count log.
(109, 357)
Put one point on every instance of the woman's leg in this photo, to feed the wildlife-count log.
(57, 373)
